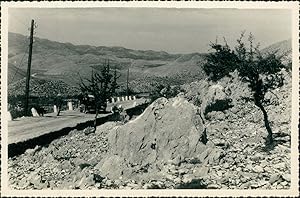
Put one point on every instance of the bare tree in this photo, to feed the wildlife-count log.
(261, 72)
(101, 85)
(114, 83)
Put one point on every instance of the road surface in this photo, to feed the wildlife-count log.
(25, 128)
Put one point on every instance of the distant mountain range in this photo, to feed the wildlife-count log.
(54, 60)
(282, 48)
(67, 62)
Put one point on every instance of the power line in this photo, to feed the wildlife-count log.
(18, 68)
(20, 21)
(25, 42)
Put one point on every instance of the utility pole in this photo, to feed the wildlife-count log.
(115, 81)
(108, 69)
(26, 110)
(127, 90)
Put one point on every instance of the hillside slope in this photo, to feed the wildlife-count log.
(54, 60)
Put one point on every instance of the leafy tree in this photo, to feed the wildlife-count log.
(221, 62)
(102, 86)
(261, 72)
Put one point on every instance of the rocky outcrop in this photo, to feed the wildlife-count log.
(167, 130)
(210, 97)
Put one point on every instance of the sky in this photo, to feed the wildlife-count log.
(160, 29)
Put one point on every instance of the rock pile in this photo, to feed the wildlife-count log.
(240, 131)
(64, 164)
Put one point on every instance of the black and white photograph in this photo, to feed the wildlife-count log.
(149, 99)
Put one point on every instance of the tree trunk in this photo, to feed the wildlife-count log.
(58, 109)
(258, 98)
(95, 121)
(269, 140)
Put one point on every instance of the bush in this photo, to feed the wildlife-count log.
(166, 91)
(170, 91)
(219, 105)
(221, 62)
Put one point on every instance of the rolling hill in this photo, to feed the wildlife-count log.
(65, 62)
(282, 48)
(54, 60)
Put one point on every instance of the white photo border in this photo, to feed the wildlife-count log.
(293, 191)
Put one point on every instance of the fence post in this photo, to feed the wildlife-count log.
(55, 109)
(70, 105)
(34, 112)
(9, 117)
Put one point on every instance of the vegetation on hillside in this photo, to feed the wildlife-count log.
(42, 94)
(260, 72)
(43, 88)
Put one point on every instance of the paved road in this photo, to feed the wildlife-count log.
(26, 128)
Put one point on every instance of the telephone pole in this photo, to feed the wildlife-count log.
(26, 110)
(127, 90)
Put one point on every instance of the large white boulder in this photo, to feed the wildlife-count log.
(166, 130)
